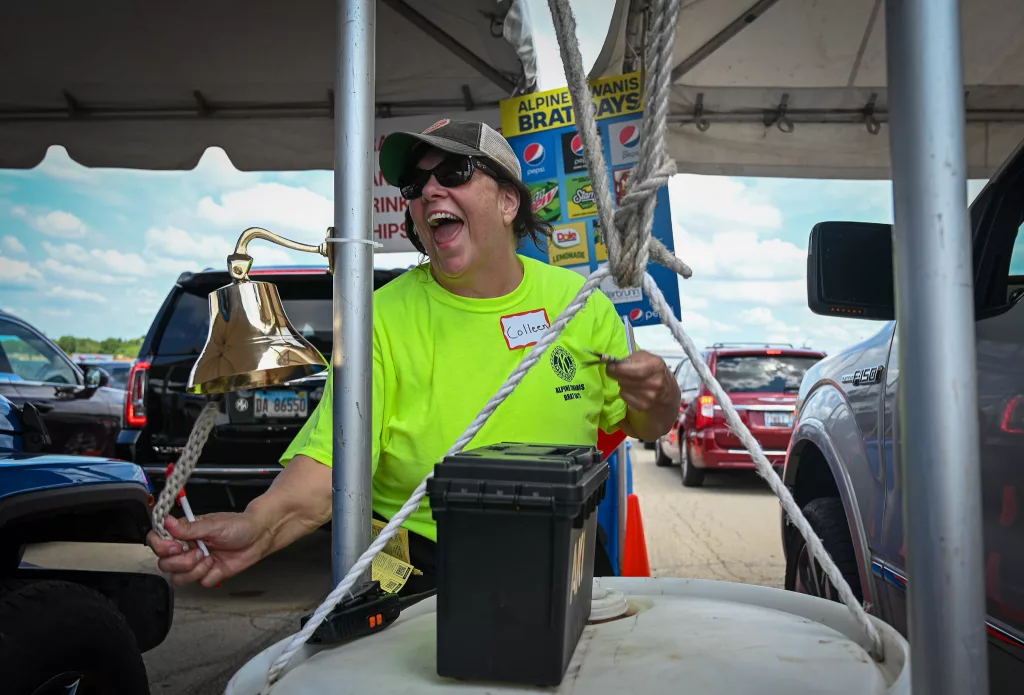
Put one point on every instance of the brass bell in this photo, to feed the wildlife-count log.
(251, 343)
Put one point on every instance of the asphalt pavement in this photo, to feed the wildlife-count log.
(726, 530)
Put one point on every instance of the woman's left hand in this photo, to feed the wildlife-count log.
(644, 381)
(647, 387)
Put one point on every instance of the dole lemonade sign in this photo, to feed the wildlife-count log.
(542, 130)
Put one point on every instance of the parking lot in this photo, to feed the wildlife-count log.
(726, 530)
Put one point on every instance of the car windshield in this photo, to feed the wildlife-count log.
(762, 373)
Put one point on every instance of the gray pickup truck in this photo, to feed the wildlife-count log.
(843, 464)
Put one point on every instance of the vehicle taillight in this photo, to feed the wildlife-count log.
(705, 411)
(135, 398)
(1013, 416)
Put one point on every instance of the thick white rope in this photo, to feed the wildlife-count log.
(183, 468)
(549, 336)
(629, 233)
(652, 172)
(765, 469)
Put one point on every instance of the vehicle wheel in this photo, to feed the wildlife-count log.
(690, 474)
(60, 637)
(660, 459)
(804, 574)
(648, 445)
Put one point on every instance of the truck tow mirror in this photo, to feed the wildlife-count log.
(849, 270)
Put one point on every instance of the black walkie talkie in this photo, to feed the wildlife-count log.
(369, 609)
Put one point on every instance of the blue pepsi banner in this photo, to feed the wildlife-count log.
(541, 129)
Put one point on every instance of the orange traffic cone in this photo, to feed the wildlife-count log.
(634, 558)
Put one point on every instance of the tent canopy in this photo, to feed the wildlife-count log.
(740, 62)
(151, 85)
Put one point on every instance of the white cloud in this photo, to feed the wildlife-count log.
(74, 262)
(62, 292)
(66, 253)
(18, 273)
(716, 201)
(274, 206)
(172, 242)
(692, 302)
(195, 251)
(741, 255)
(62, 271)
(56, 223)
(762, 316)
(692, 320)
(11, 245)
(126, 263)
(753, 291)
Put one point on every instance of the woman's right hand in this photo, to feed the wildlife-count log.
(235, 541)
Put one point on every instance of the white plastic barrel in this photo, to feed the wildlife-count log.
(680, 636)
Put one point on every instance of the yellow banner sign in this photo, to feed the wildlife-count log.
(533, 113)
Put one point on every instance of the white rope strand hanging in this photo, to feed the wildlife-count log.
(630, 247)
(634, 229)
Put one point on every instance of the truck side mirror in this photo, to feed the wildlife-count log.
(849, 270)
(96, 377)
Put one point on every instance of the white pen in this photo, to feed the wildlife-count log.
(187, 508)
(631, 340)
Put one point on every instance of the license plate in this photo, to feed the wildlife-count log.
(280, 404)
(778, 419)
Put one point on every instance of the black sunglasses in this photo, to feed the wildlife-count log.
(452, 172)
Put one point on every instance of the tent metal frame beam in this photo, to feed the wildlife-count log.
(206, 109)
(445, 39)
(721, 38)
(768, 117)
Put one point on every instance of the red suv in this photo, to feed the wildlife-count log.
(762, 382)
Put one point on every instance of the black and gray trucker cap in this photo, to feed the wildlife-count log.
(470, 138)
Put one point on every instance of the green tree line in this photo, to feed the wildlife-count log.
(108, 346)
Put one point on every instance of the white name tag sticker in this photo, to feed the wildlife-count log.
(523, 330)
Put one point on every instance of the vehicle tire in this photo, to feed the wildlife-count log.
(803, 573)
(660, 459)
(54, 634)
(690, 474)
(648, 445)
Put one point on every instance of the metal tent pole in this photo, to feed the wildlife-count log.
(938, 384)
(351, 358)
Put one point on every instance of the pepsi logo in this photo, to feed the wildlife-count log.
(566, 238)
(533, 154)
(629, 136)
(636, 314)
(577, 145)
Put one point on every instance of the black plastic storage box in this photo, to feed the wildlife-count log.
(516, 525)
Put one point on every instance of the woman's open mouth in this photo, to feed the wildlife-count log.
(445, 226)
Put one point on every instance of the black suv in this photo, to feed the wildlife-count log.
(240, 459)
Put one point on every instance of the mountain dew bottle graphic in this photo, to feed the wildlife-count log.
(546, 201)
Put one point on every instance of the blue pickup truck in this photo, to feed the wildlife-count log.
(67, 631)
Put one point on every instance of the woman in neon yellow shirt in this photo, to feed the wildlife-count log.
(446, 336)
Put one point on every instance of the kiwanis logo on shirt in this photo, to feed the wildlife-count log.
(564, 365)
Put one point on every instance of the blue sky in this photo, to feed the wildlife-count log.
(93, 252)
